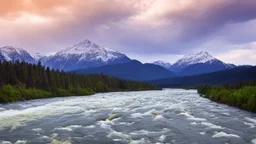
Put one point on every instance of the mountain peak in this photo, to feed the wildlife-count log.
(85, 47)
(164, 64)
(85, 54)
(200, 57)
(10, 53)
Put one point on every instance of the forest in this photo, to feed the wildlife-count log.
(241, 95)
(24, 81)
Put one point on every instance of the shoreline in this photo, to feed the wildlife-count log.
(243, 98)
(3, 103)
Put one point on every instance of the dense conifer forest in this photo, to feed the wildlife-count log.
(24, 81)
(242, 95)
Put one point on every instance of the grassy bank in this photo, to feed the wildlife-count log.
(243, 97)
(9, 93)
(14, 93)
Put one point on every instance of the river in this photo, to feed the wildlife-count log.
(172, 116)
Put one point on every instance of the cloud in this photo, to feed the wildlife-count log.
(50, 25)
(242, 54)
(151, 27)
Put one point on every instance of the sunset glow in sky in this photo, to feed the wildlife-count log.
(146, 30)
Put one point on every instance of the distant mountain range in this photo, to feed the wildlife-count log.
(133, 70)
(88, 57)
(9, 53)
(194, 64)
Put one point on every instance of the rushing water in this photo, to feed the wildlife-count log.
(172, 116)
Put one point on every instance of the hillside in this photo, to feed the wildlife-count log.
(23, 81)
(221, 77)
(133, 70)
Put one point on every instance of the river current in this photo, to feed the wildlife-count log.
(173, 116)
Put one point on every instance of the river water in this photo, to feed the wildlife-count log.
(172, 116)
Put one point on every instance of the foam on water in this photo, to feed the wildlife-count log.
(105, 124)
(90, 127)
(37, 129)
(21, 142)
(141, 141)
(251, 125)
(114, 134)
(158, 117)
(15, 118)
(137, 115)
(5, 142)
(193, 118)
(223, 134)
(162, 138)
(69, 128)
(254, 141)
(126, 123)
(145, 132)
(168, 116)
(251, 120)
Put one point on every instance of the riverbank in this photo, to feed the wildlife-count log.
(243, 97)
(23, 81)
(9, 93)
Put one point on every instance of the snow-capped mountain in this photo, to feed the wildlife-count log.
(85, 54)
(164, 64)
(9, 53)
(41, 57)
(199, 63)
(37, 56)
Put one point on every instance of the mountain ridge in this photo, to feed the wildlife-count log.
(198, 63)
(133, 70)
(9, 53)
(85, 54)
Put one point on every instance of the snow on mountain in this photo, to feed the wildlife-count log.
(201, 62)
(37, 56)
(85, 54)
(41, 57)
(9, 53)
(164, 64)
(201, 57)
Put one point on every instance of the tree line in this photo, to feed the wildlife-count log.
(23, 81)
(242, 94)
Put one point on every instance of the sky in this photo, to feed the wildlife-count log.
(147, 30)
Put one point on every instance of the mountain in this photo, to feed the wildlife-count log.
(215, 78)
(199, 63)
(133, 70)
(164, 64)
(37, 56)
(41, 57)
(9, 53)
(85, 54)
